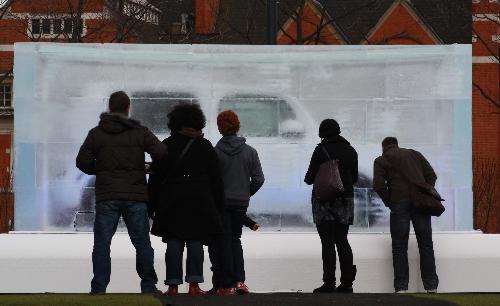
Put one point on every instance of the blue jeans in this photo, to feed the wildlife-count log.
(136, 219)
(401, 214)
(194, 261)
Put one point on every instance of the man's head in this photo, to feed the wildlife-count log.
(328, 128)
(119, 102)
(185, 115)
(389, 141)
(228, 123)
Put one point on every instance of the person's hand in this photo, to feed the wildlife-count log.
(147, 167)
(255, 227)
(151, 215)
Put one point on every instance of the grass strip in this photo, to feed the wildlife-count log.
(75, 299)
(466, 299)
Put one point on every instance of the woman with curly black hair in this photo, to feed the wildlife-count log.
(186, 197)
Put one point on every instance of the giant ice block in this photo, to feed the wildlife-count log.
(420, 94)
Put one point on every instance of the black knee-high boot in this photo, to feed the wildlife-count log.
(346, 280)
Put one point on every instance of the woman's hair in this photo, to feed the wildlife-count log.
(186, 115)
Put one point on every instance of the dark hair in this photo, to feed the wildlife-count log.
(388, 141)
(186, 115)
(328, 127)
(119, 102)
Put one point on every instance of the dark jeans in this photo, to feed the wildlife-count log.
(334, 234)
(401, 214)
(226, 254)
(194, 261)
(136, 219)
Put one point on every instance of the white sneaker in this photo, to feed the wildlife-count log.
(401, 291)
(431, 291)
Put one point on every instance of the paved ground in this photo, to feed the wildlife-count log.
(302, 299)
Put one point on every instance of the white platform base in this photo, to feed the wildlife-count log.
(466, 262)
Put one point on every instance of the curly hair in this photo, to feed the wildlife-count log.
(186, 115)
(228, 123)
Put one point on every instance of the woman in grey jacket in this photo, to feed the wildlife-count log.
(243, 177)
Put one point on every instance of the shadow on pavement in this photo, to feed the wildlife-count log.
(301, 299)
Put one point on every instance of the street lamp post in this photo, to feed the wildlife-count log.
(272, 28)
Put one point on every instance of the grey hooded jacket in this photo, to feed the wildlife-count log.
(241, 170)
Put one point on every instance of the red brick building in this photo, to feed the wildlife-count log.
(486, 113)
(332, 22)
(97, 21)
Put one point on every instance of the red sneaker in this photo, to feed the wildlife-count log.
(241, 288)
(172, 290)
(226, 291)
(194, 289)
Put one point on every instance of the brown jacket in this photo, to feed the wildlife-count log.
(387, 180)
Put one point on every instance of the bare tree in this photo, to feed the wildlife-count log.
(6, 199)
(491, 96)
(486, 184)
(313, 29)
(63, 20)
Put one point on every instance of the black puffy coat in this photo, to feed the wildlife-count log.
(340, 149)
(114, 152)
(187, 198)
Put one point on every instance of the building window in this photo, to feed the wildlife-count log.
(35, 26)
(52, 28)
(46, 26)
(5, 95)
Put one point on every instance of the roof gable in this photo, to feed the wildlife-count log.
(310, 24)
(401, 24)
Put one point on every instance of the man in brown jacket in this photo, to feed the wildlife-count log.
(392, 171)
(113, 151)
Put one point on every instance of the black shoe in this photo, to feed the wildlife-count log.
(346, 280)
(97, 292)
(326, 288)
(212, 291)
(154, 292)
(344, 289)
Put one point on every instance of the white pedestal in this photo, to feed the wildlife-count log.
(466, 262)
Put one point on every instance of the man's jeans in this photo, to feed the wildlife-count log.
(136, 219)
(401, 214)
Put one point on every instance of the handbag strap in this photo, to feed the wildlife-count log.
(184, 151)
(326, 152)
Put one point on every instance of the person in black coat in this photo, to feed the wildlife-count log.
(186, 196)
(333, 216)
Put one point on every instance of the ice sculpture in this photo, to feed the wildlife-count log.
(420, 94)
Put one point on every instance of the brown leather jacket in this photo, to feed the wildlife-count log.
(387, 179)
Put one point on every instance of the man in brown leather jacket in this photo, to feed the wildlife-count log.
(392, 171)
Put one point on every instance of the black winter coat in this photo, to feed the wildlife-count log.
(187, 198)
(114, 152)
(340, 149)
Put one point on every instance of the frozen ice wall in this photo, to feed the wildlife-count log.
(420, 94)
